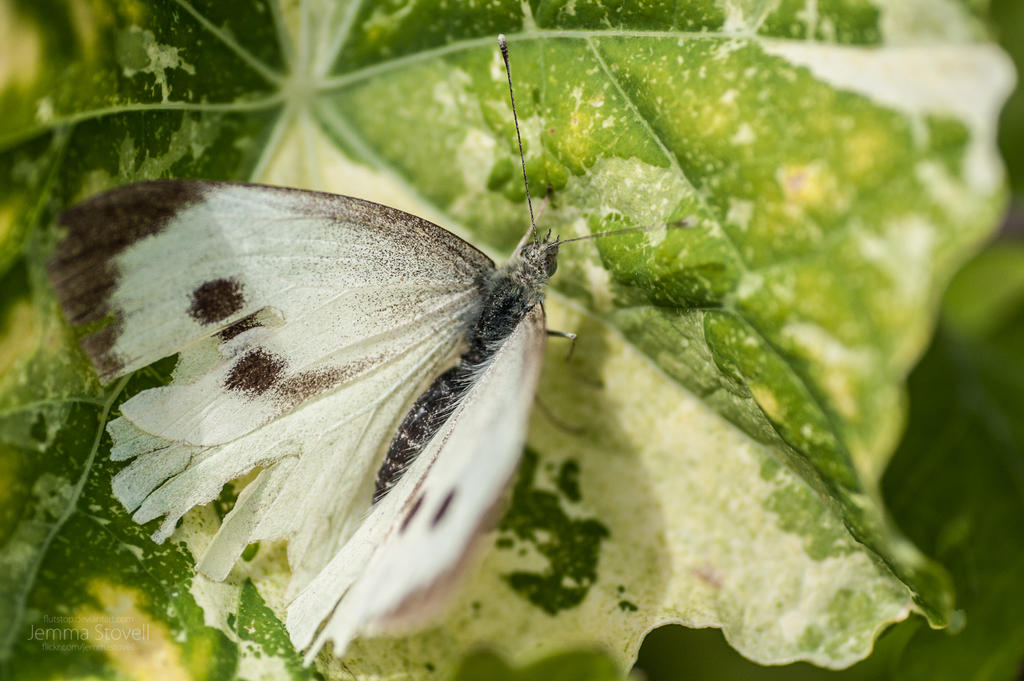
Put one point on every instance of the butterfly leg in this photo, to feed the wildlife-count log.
(570, 336)
(556, 421)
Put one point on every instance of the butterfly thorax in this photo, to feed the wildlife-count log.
(510, 292)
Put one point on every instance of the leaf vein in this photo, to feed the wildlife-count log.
(81, 116)
(21, 596)
(245, 55)
(330, 55)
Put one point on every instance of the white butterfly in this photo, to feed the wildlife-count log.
(318, 335)
(374, 368)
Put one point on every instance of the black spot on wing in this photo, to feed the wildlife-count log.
(216, 300)
(102, 227)
(255, 372)
(300, 387)
(442, 510)
(411, 514)
(241, 326)
(258, 371)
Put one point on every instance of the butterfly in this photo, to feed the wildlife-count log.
(370, 370)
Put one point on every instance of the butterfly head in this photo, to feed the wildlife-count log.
(538, 259)
(550, 255)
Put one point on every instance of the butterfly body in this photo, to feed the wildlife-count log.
(511, 292)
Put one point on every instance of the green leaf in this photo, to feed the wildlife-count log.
(958, 478)
(574, 666)
(954, 483)
(672, 652)
(1008, 22)
(712, 453)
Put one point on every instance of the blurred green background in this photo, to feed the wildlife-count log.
(972, 381)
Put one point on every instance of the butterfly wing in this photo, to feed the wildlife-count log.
(394, 568)
(305, 324)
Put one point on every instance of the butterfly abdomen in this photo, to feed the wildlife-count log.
(422, 421)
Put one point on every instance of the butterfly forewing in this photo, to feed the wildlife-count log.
(174, 261)
(305, 324)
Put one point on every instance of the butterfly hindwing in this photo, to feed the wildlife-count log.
(393, 570)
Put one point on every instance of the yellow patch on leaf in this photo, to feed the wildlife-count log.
(137, 645)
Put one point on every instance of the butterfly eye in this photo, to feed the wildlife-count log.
(551, 259)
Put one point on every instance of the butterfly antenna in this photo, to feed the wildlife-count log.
(629, 230)
(503, 46)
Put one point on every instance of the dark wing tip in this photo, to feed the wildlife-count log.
(98, 229)
(112, 221)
